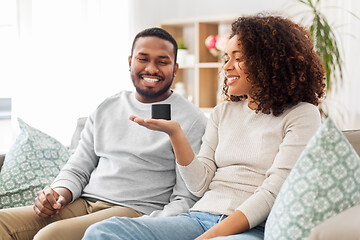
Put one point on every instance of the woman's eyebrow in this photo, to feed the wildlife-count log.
(233, 52)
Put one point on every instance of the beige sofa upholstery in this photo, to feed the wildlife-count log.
(344, 226)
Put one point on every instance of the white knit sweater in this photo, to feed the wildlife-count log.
(246, 156)
(121, 162)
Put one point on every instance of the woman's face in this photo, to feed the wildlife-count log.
(234, 69)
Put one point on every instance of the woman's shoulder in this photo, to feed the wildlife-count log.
(303, 110)
(303, 106)
(229, 109)
(219, 108)
(230, 104)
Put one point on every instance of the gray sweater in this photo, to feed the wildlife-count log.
(120, 162)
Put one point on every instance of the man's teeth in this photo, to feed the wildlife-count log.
(232, 78)
(151, 80)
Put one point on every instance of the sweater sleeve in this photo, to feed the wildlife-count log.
(199, 173)
(299, 126)
(181, 200)
(76, 173)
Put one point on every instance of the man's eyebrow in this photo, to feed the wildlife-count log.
(146, 54)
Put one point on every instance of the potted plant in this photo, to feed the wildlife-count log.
(326, 45)
(182, 52)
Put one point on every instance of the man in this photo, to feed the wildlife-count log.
(119, 168)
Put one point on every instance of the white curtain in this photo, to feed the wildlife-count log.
(67, 57)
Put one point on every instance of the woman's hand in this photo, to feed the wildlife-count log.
(233, 224)
(205, 235)
(182, 149)
(168, 126)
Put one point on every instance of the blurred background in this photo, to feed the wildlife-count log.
(59, 59)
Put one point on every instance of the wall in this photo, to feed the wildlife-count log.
(62, 60)
(151, 13)
(343, 105)
(53, 81)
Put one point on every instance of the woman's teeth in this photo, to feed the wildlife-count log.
(232, 78)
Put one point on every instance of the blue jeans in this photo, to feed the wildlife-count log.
(182, 227)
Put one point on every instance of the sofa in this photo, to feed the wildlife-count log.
(345, 225)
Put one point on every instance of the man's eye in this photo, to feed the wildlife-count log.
(163, 63)
(142, 59)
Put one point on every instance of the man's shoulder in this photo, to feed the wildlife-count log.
(184, 107)
(123, 95)
(186, 113)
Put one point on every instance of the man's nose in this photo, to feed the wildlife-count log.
(152, 68)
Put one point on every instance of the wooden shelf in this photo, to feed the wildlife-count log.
(210, 65)
(201, 78)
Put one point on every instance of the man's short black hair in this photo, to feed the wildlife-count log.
(156, 32)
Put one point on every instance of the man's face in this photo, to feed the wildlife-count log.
(152, 68)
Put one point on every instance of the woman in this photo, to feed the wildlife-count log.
(273, 83)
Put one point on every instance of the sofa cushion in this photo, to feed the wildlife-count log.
(324, 182)
(33, 161)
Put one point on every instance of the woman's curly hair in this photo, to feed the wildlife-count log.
(280, 61)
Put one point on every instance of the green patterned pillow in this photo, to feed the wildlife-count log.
(324, 182)
(32, 163)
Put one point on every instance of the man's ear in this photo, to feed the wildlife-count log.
(129, 60)
(176, 68)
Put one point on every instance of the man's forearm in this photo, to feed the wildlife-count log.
(66, 193)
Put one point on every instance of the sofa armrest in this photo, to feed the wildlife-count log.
(343, 226)
(2, 158)
(354, 138)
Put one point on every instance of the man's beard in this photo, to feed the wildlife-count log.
(150, 94)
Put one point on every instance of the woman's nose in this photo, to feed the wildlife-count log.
(228, 66)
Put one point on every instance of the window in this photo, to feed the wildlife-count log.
(62, 58)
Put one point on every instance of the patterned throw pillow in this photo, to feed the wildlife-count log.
(32, 163)
(324, 182)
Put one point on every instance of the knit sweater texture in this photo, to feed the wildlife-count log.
(245, 157)
(121, 162)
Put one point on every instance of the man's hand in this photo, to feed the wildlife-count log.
(48, 201)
